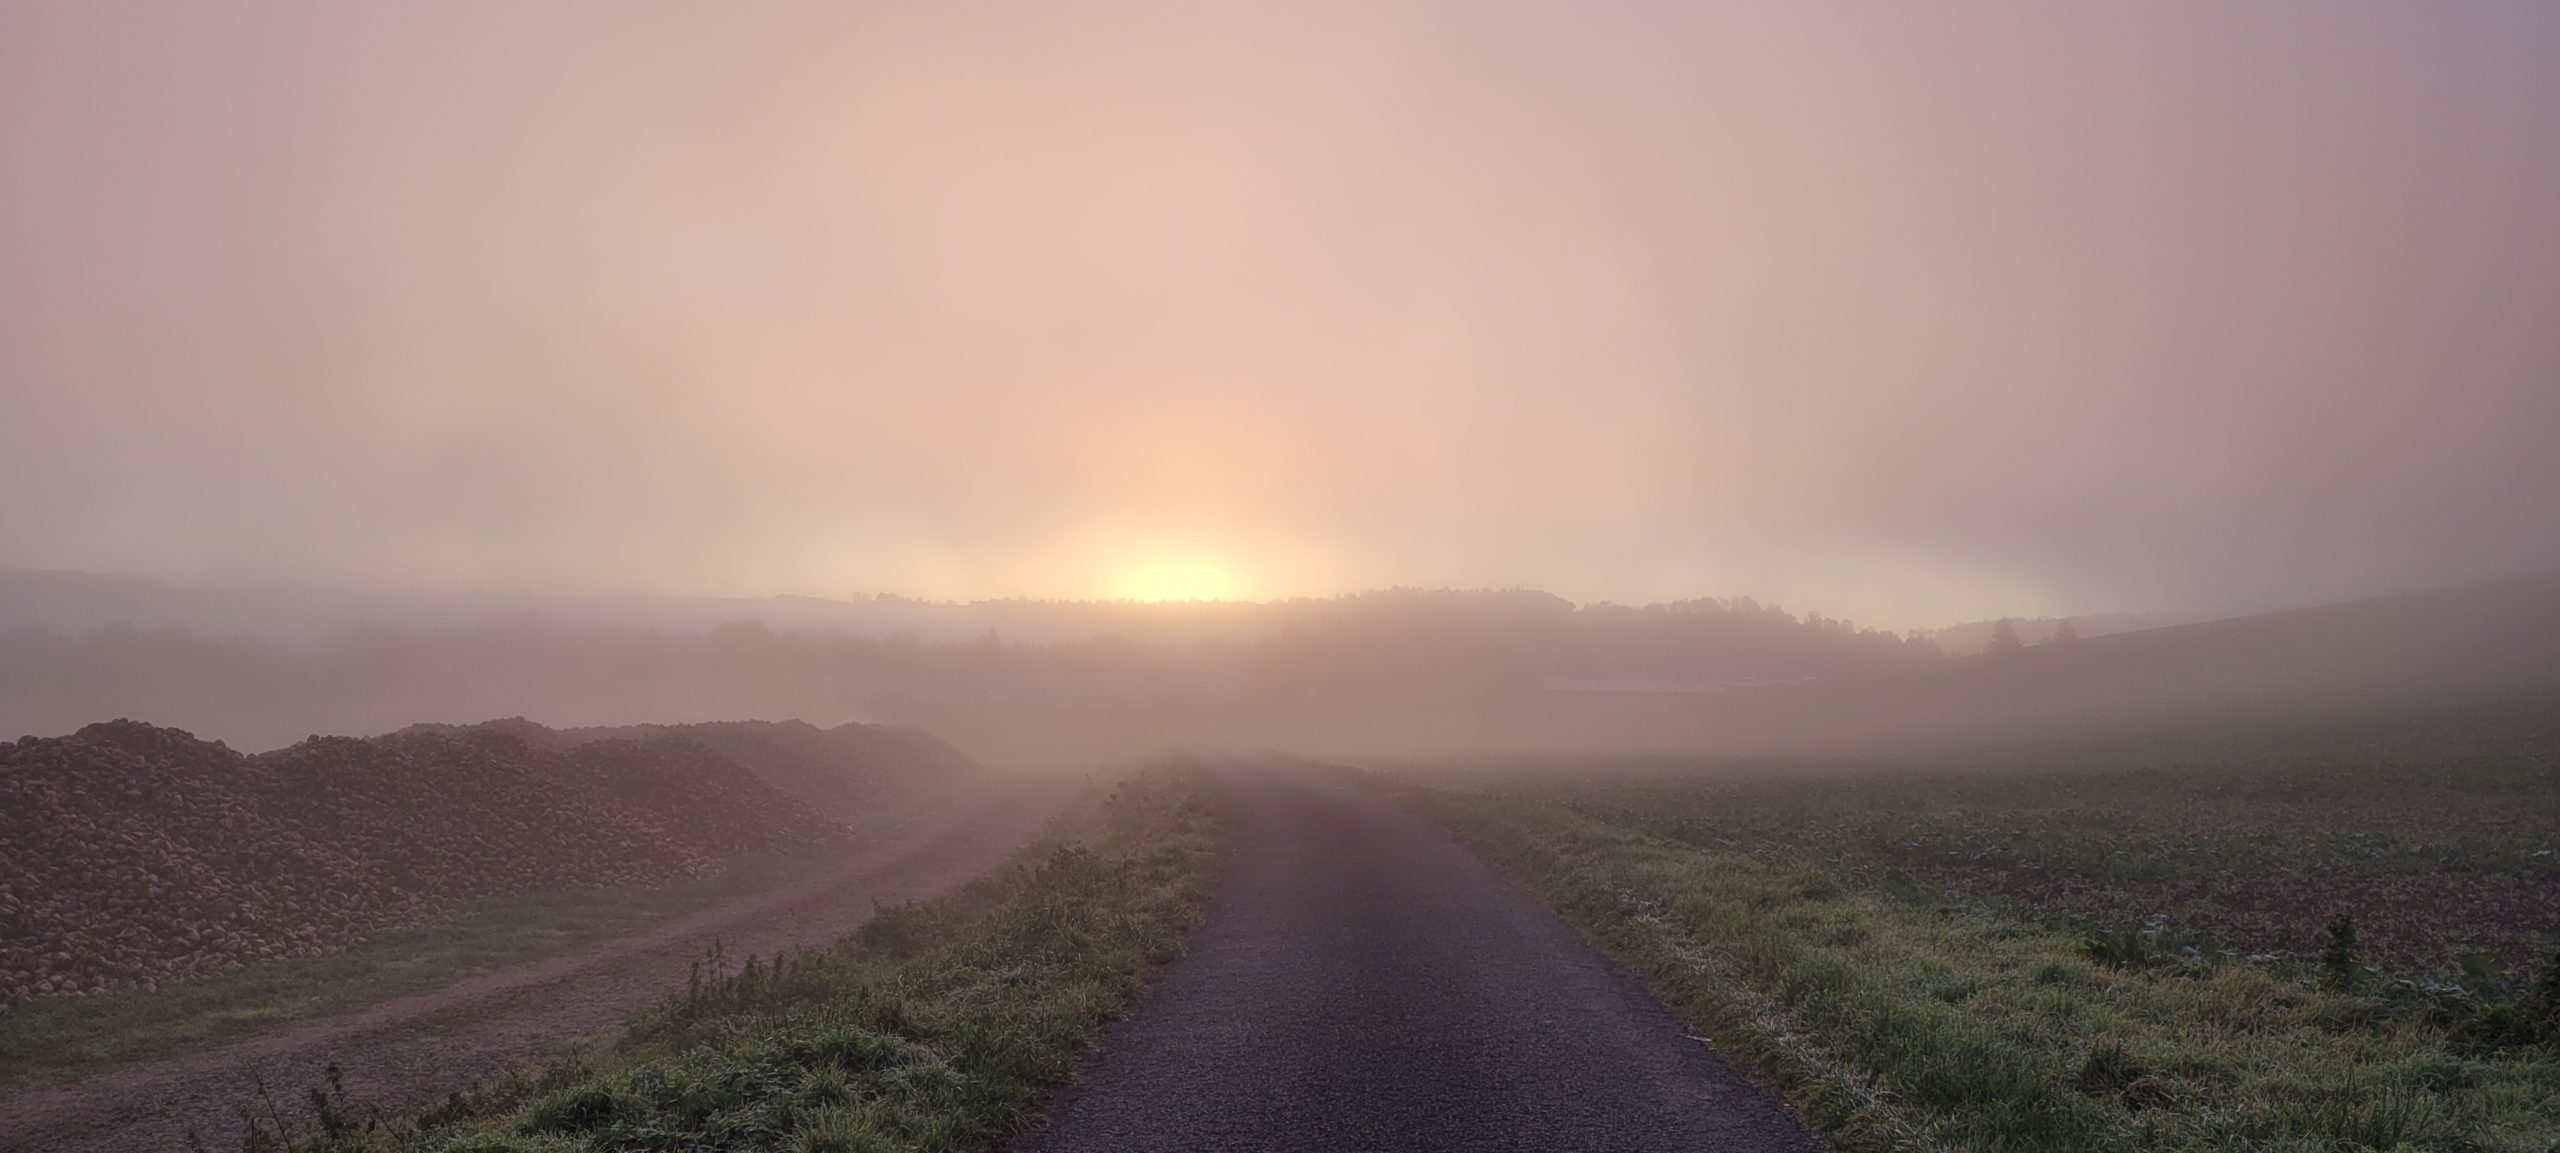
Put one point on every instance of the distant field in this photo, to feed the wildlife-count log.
(2146, 956)
(2434, 869)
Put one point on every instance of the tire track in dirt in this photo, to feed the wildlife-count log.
(412, 1051)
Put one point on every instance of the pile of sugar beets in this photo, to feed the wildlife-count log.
(132, 854)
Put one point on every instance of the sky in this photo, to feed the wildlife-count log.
(1905, 313)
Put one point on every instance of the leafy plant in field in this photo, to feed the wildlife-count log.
(2154, 944)
(2529, 1020)
(2338, 957)
(2546, 997)
(2106, 1070)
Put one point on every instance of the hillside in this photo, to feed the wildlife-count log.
(2491, 644)
(1971, 636)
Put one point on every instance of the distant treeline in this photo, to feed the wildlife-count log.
(1974, 636)
(1396, 645)
(1396, 673)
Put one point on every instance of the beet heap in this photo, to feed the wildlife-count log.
(132, 854)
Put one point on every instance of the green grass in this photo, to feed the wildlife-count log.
(59, 1038)
(938, 1026)
(1901, 1017)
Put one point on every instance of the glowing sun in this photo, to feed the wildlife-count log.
(1178, 578)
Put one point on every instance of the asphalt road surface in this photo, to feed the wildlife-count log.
(409, 1052)
(1364, 985)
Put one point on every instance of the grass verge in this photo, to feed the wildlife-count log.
(1901, 1023)
(938, 1026)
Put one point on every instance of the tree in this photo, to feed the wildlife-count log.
(2004, 639)
(2063, 633)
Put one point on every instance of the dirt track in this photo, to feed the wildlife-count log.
(412, 1051)
(1364, 985)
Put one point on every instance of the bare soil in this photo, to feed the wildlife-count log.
(413, 1051)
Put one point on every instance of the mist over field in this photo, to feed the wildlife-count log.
(1092, 378)
(1407, 673)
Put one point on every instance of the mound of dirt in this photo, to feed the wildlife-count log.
(843, 772)
(132, 854)
(847, 772)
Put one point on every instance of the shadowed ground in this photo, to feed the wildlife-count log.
(1365, 984)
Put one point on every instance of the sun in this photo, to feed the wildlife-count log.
(1178, 578)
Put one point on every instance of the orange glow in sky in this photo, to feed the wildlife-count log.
(1907, 313)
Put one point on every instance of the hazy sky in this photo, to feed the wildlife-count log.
(1908, 312)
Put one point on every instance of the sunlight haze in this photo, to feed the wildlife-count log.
(1911, 314)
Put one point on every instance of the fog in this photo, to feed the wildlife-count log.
(1406, 673)
(1910, 315)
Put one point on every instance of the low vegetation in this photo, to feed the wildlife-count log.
(2355, 956)
(936, 1027)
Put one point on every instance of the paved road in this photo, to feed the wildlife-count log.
(1365, 985)
(407, 1053)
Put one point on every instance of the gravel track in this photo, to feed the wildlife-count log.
(1363, 983)
(412, 1051)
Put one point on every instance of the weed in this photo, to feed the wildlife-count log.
(2106, 1070)
(2338, 958)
